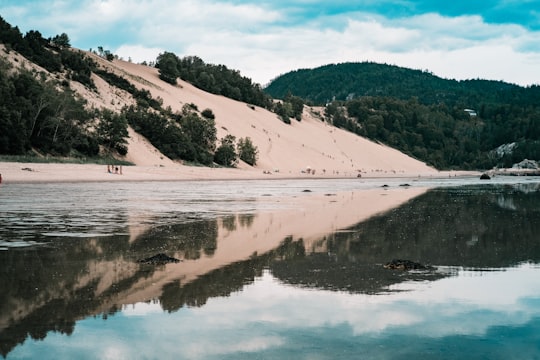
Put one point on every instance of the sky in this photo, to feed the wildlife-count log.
(457, 39)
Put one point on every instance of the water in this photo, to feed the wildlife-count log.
(263, 275)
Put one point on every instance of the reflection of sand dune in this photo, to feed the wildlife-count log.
(309, 218)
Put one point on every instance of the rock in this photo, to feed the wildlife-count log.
(526, 164)
(158, 260)
(485, 176)
(398, 264)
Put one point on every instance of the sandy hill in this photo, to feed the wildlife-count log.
(310, 143)
(285, 149)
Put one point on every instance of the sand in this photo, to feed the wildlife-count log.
(43, 173)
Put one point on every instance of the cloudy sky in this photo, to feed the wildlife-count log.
(458, 39)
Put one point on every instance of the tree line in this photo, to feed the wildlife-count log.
(53, 54)
(216, 79)
(220, 80)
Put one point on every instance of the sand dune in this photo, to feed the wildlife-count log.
(283, 150)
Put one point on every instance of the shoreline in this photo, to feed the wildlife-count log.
(16, 173)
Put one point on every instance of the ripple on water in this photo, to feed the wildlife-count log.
(15, 244)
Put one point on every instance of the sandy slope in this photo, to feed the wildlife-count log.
(283, 150)
(287, 148)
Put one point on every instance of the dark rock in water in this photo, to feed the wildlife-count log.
(385, 186)
(158, 260)
(306, 190)
(485, 177)
(398, 264)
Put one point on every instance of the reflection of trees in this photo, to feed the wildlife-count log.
(226, 280)
(49, 280)
(246, 220)
(229, 222)
(454, 227)
(331, 272)
(189, 239)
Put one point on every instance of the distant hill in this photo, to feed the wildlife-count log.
(346, 81)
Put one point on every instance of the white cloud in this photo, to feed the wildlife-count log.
(138, 53)
(262, 43)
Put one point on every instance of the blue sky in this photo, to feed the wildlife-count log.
(459, 39)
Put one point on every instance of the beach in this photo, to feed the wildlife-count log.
(13, 172)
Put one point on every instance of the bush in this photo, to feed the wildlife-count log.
(247, 151)
(208, 113)
(226, 153)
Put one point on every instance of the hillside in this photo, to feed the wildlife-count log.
(472, 124)
(288, 150)
(285, 148)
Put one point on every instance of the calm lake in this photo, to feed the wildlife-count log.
(265, 272)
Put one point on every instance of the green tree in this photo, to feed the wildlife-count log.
(61, 41)
(112, 131)
(296, 106)
(226, 153)
(208, 113)
(167, 63)
(202, 133)
(247, 151)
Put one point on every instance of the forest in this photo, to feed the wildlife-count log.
(447, 123)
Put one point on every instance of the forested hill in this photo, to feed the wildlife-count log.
(467, 124)
(352, 80)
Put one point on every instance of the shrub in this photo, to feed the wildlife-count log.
(247, 151)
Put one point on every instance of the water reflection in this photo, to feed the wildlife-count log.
(249, 283)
